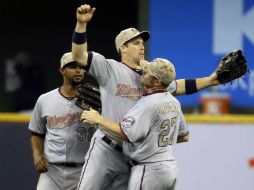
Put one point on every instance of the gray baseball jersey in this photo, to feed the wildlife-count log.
(120, 89)
(152, 127)
(66, 138)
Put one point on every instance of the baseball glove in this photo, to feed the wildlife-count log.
(231, 66)
(88, 96)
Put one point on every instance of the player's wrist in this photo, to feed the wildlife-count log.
(213, 79)
(81, 26)
(100, 120)
(37, 154)
(191, 86)
(79, 37)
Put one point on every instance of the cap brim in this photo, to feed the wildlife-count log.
(72, 63)
(145, 35)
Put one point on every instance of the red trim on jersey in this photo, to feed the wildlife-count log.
(158, 91)
(84, 167)
(37, 134)
(142, 178)
(138, 71)
(68, 98)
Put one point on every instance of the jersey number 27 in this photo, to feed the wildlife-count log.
(166, 137)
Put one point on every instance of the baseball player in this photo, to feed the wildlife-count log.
(150, 129)
(120, 88)
(59, 140)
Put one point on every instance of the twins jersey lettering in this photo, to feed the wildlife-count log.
(67, 138)
(119, 86)
(128, 92)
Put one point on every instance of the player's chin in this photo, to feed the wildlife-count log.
(141, 57)
(76, 82)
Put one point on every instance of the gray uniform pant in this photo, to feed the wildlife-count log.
(151, 176)
(60, 178)
(105, 167)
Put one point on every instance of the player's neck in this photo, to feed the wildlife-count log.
(131, 63)
(68, 90)
(153, 90)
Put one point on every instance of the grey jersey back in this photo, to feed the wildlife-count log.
(119, 86)
(152, 127)
(58, 118)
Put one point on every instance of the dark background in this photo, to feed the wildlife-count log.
(44, 29)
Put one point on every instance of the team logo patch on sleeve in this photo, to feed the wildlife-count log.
(127, 121)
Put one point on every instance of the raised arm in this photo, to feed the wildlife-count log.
(84, 14)
(190, 86)
(232, 66)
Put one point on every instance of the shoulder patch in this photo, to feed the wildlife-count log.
(128, 121)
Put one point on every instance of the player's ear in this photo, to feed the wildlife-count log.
(61, 70)
(122, 48)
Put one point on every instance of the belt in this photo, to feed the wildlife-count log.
(70, 164)
(112, 144)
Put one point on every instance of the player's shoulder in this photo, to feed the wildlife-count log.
(173, 98)
(113, 62)
(150, 100)
(49, 94)
(98, 56)
(158, 98)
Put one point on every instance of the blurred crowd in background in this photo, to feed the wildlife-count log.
(31, 51)
(24, 81)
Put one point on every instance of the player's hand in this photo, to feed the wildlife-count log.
(214, 79)
(91, 116)
(40, 163)
(84, 13)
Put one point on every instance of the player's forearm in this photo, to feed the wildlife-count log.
(79, 53)
(112, 126)
(206, 82)
(190, 86)
(79, 43)
(37, 145)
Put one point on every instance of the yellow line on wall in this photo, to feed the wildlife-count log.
(14, 117)
(225, 118)
(191, 118)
